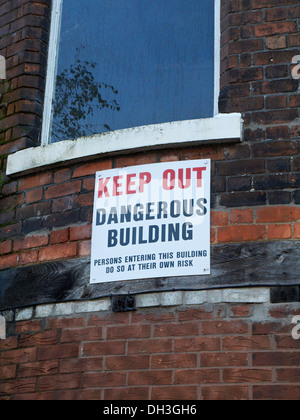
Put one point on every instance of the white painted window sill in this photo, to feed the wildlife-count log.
(222, 128)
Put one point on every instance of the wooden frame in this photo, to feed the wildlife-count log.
(53, 55)
(234, 265)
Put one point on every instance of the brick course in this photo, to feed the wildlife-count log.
(166, 353)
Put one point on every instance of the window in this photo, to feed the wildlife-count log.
(124, 64)
(126, 76)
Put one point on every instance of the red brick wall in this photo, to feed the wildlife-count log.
(255, 185)
(209, 352)
(52, 212)
(220, 351)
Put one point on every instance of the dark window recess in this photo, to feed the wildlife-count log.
(123, 303)
(131, 63)
(285, 294)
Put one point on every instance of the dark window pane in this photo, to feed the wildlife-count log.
(127, 63)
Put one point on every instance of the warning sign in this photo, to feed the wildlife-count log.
(151, 221)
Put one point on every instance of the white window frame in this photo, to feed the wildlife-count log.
(220, 128)
(53, 59)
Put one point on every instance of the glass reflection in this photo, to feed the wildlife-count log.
(78, 98)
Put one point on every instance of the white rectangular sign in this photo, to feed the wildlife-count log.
(151, 221)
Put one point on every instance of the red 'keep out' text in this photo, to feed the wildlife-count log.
(135, 183)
